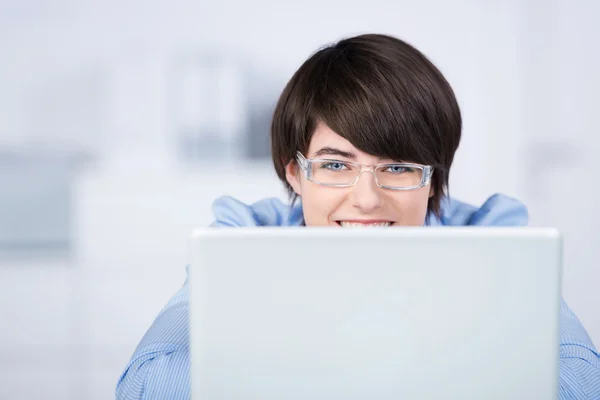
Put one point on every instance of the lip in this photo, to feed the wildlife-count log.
(363, 221)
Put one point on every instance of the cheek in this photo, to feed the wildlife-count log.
(411, 206)
(318, 203)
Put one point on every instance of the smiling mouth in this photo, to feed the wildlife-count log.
(364, 224)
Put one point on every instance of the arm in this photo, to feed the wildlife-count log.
(159, 367)
(579, 360)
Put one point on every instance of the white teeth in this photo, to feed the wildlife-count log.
(367, 225)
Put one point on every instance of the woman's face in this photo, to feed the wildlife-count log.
(364, 204)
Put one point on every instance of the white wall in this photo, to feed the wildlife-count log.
(559, 92)
(131, 48)
(524, 73)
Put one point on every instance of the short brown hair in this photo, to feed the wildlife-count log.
(379, 93)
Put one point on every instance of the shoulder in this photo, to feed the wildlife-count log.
(228, 211)
(497, 210)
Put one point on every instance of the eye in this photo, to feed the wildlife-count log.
(334, 166)
(398, 169)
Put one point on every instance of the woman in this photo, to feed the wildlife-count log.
(363, 134)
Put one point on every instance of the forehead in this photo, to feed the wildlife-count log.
(324, 136)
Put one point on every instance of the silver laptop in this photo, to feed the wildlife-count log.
(369, 313)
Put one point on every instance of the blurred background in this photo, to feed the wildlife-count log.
(120, 122)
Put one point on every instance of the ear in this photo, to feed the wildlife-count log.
(292, 175)
(431, 191)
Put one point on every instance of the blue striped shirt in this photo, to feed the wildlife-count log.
(160, 366)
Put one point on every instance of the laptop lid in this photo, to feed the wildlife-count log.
(368, 313)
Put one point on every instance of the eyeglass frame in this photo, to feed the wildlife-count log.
(305, 166)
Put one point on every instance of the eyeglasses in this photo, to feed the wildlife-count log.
(336, 173)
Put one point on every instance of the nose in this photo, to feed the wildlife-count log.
(366, 195)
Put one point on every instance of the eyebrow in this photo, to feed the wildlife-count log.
(332, 151)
